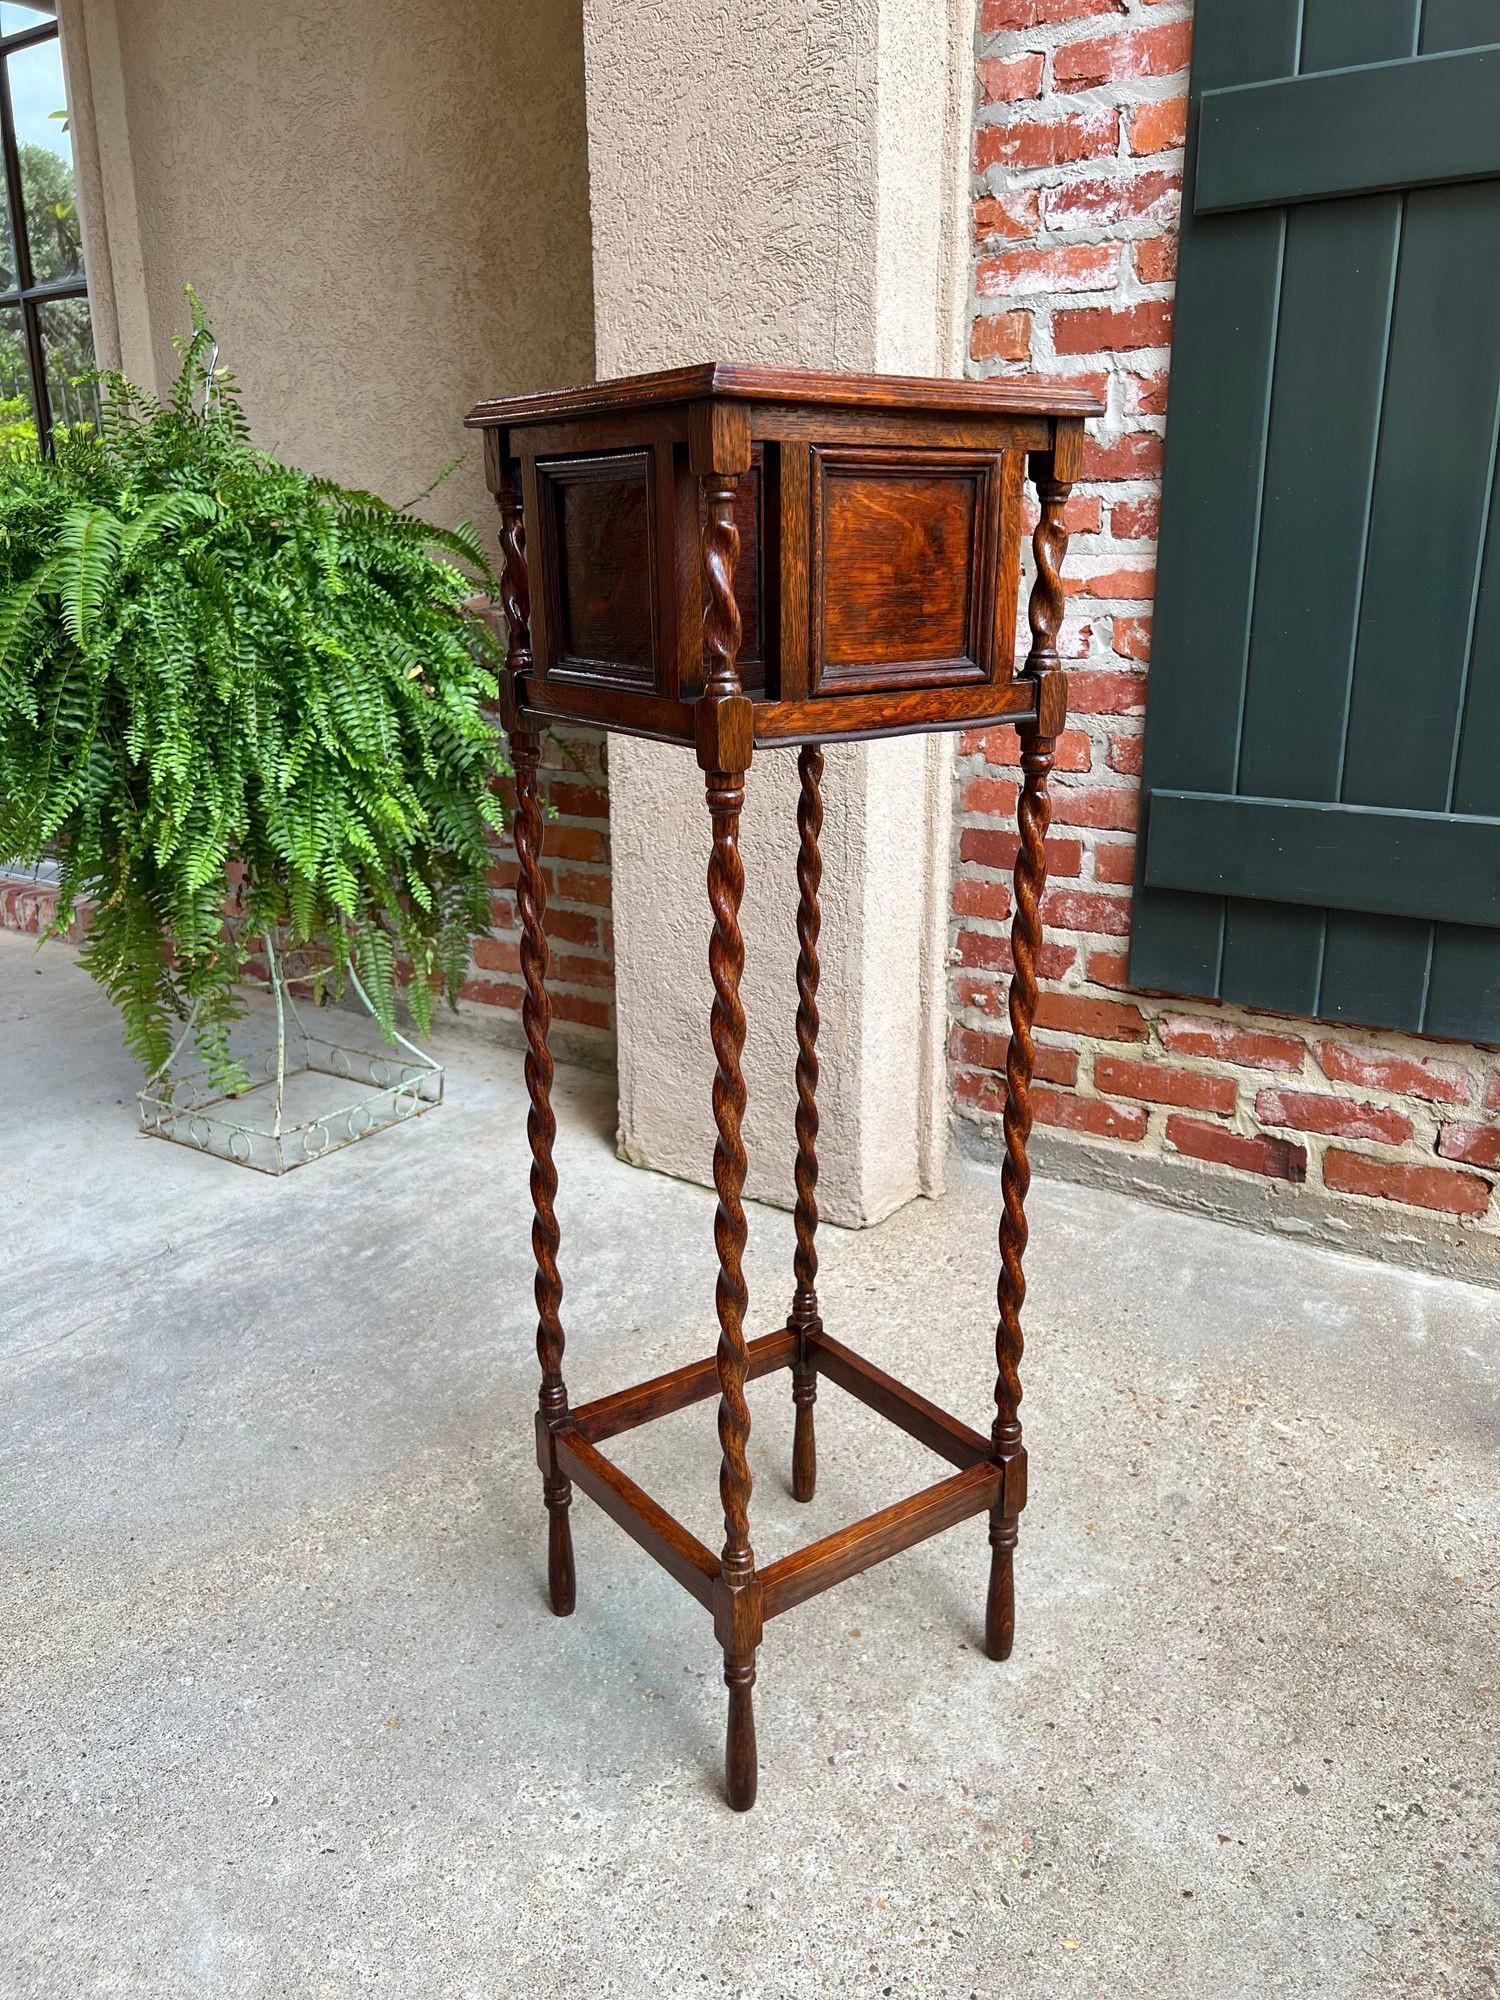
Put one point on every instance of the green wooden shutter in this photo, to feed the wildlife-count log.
(1321, 786)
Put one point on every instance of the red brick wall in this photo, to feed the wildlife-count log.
(1077, 186)
(576, 848)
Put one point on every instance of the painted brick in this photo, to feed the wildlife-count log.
(1476, 1145)
(1158, 127)
(571, 927)
(988, 847)
(1136, 520)
(1138, 585)
(1011, 216)
(1074, 751)
(492, 993)
(575, 887)
(1108, 329)
(1001, 337)
(578, 798)
(1124, 58)
(1337, 1117)
(1433, 1082)
(1042, 142)
(997, 15)
(585, 1013)
(1097, 201)
(1089, 1114)
(1010, 80)
(990, 901)
(983, 1049)
(1147, 394)
(1188, 1089)
(1136, 455)
(1222, 1041)
(1114, 861)
(1443, 1188)
(1096, 693)
(1081, 910)
(1080, 267)
(1115, 807)
(1156, 259)
(1131, 637)
(1109, 968)
(984, 949)
(1101, 1020)
(1275, 1159)
(992, 798)
(496, 955)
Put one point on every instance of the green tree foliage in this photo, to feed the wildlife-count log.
(209, 658)
(52, 231)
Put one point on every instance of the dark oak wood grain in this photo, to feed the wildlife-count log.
(725, 557)
(860, 1546)
(608, 1416)
(805, 1321)
(680, 1554)
(740, 381)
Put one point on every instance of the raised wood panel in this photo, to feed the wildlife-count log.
(900, 581)
(598, 528)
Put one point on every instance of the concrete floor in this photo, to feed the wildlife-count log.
(284, 1712)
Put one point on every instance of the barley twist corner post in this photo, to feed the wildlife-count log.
(804, 1320)
(725, 557)
(536, 1020)
(1034, 811)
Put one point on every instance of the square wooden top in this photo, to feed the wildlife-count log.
(735, 381)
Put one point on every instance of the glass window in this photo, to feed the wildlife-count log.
(49, 199)
(46, 341)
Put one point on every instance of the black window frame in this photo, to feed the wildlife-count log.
(24, 293)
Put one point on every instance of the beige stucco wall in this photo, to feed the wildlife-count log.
(383, 206)
(777, 180)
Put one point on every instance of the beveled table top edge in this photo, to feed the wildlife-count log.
(745, 382)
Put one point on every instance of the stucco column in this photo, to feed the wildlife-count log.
(784, 181)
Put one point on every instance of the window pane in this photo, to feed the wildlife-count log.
(8, 279)
(14, 17)
(67, 351)
(38, 105)
(17, 421)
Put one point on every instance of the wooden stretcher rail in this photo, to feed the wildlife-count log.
(920, 1419)
(846, 1553)
(681, 1554)
(607, 1416)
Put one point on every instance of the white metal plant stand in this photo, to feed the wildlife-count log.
(307, 1095)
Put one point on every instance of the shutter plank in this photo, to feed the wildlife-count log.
(1338, 289)
(1463, 996)
(1419, 123)
(1225, 333)
(1376, 858)
(1431, 487)
(1335, 314)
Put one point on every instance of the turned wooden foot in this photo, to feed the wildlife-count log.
(562, 1584)
(804, 1443)
(1000, 1605)
(741, 1763)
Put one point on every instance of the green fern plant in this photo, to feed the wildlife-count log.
(215, 668)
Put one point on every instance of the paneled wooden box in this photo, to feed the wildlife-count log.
(879, 522)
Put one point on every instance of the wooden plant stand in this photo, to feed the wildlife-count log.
(725, 557)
